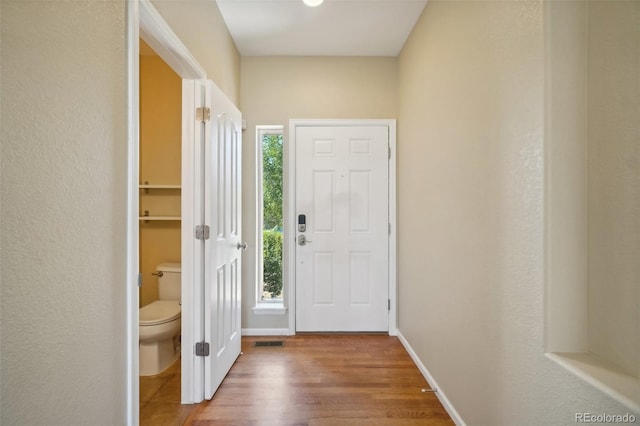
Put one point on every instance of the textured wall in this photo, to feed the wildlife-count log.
(593, 197)
(276, 89)
(63, 195)
(471, 102)
(614, 182)
(566, 176)
(199, 25)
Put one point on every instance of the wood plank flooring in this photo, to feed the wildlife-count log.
(323, 380)
(160, 399)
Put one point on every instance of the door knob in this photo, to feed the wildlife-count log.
(241, 246)
(302, 240)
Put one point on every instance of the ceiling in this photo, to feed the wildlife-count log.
(335, 28)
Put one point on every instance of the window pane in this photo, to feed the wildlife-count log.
(272, 216)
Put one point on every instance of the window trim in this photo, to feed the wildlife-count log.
(264, 307)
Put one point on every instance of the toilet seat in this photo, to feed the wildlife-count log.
(159, 312)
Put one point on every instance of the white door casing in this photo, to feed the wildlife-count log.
(143, 21)
(192, 250)
(223, 254)
(342, 187)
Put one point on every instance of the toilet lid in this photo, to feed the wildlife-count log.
(159, 312)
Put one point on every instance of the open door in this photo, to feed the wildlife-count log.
(223, 245)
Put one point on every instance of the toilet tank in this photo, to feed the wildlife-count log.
(169, 284)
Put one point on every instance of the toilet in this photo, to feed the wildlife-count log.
(159, 326)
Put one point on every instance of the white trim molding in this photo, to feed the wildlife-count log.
(155, 31)
(192, 367)
(264, 308)
(269, 309)
(133, 260)
(144, 21)
(455, 416)
(266, 332)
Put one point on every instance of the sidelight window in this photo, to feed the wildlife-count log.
(269, 161)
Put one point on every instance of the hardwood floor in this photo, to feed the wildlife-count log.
(316, 379)
(160, 399)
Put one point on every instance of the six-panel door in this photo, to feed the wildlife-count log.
(342, 266)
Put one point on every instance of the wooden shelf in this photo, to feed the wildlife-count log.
(146, 187)
(149, 186)
(145, 218)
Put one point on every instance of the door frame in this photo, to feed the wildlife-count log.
(289, 249)
(143, 20)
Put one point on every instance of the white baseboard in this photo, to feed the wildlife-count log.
(439, 394)
(266, 332)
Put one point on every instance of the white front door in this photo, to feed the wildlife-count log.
(223, 254)
(342, 189)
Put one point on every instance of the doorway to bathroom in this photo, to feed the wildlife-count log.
(160, 169)
(205, 205)
(160, 234)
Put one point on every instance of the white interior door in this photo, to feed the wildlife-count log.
(342, 188)
(223, 254)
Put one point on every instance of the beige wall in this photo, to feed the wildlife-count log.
(63, 227)
(276, 89)
(593, 193)
(613, 70)
(160, 163)
(63, 200)
(471, 223)
(199, 25)
(470, 108)
(566, 176)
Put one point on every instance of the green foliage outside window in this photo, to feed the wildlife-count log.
(272, 240)
(272, 211)
(272, 181)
